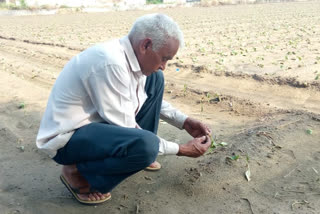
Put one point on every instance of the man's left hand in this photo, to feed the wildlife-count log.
(196, 128)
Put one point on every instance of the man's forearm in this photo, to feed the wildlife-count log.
(172, 115)
(182, 150)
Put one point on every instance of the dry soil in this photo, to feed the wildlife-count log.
(250, 71)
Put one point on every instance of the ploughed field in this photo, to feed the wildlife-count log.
(250, 71)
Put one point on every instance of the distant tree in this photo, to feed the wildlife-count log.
(154, 1)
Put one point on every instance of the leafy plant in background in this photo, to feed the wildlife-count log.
(23, 4)
(154, 1)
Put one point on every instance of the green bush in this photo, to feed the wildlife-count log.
(23, 4)
(64, 6)
(3, 5)
(11, 6)
(154, 1)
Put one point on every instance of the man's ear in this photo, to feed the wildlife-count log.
(145, 45)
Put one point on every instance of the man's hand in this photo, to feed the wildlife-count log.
(195, 148)
(196, 128)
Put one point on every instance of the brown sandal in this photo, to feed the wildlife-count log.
(75, 191)
(157, 166)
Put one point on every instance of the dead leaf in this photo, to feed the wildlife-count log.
(248, 174)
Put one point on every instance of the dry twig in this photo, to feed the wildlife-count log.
(315, 170)
(249, 204)
(290, 172)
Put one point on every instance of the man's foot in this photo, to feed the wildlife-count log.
(155, 166)
(80, 188)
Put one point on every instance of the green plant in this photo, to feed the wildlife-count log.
(154, 1)
(3, 5)
(194, 59)
(208, 95)
(214, 145)
(260, 65)
(13, 7)
(21, 105)
(202, 50)
(64, 6)
(185, 88)
(45, 7)
(309, 131)
(23, 4)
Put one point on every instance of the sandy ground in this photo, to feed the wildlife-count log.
(250, 71)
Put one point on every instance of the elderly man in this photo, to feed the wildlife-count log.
(103, 112)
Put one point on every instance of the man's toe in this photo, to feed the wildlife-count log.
(155, 166)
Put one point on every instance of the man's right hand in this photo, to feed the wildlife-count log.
(195, 148)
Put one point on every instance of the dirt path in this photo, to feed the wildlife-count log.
(271, 123)
(273, 95)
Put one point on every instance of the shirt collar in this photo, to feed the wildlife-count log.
(133, 61)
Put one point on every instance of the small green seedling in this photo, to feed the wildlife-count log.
(185, 88)
(213, 143)
(21, 106)
(223, 144)
(309, 131)
(235, 157)
(21, 148)
(208, 95)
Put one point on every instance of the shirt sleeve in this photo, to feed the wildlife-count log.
(172, 115)
(167, 147)
(108, 88)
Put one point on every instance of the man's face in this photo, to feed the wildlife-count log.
(151, 61)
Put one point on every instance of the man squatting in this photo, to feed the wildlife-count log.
(103, 112)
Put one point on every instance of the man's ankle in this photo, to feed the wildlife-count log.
(69, 169)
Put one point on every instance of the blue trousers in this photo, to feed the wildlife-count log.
(106, 154)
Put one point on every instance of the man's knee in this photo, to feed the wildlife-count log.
(155, 82)
(159, 79)
(159, 76)
(149, 147)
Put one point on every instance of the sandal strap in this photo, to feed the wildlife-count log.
(78, 190)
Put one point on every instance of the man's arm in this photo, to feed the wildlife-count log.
(172, 115)
(201, 142)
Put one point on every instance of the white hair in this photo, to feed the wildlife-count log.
(158, 27)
